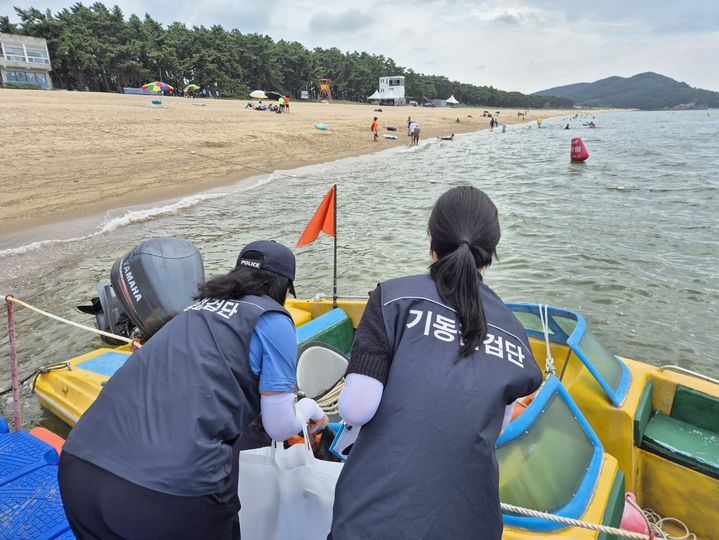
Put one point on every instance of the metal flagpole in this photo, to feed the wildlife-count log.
(334, 281)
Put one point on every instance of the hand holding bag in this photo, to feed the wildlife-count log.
(286, 493)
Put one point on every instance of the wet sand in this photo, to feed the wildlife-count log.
(69, 155)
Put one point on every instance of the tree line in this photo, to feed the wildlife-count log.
(98, 48)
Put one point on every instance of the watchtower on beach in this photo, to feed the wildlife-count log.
(325, 91)
(392, 89)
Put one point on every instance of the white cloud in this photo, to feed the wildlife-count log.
(333, 23)
(525, 45)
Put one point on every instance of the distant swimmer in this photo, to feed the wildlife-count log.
(450, 138)
(504, 128)
(539, 122)
(566, 127)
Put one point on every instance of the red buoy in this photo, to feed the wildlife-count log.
(578, 151)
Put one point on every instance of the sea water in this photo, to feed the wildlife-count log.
(630, 238)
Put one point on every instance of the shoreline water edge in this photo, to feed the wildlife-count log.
(61, 199)
(627, 239)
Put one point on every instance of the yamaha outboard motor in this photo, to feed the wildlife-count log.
(109, 313)
(148, 287)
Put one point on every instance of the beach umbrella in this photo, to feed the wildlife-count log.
(191, 86)
(273, 95)
(157, 86)
(258, 94)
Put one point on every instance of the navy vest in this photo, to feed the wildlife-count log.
(424, 467)
(168, 418)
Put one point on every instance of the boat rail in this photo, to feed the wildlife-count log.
(319, 297)
(685, 371)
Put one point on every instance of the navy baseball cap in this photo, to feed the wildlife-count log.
(271, 256)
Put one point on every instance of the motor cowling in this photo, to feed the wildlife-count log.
(156, 280)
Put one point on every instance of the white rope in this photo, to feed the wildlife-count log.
(329, 402)
(544, 317)
(71, 323)
(574, 522)
(656, 522)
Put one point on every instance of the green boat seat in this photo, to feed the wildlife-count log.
(684, 443)
(334, 328)
(696, 408)
(643, 413)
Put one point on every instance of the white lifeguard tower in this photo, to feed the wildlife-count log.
(391, 90)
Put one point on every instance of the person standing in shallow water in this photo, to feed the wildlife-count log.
(412, 127)
(437, 362)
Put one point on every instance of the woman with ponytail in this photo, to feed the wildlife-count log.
(437, 362)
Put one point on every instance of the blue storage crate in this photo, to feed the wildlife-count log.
(30, 503)
(21, 453)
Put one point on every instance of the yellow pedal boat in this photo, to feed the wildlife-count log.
(600, 425)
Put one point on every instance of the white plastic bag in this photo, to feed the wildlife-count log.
(286, 493)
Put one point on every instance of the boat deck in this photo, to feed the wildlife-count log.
(30, 504)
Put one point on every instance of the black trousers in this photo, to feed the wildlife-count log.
(100, 505)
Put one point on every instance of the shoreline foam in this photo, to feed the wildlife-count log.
(58, 200)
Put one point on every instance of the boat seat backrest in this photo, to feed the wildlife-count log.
(319, 368)
(643, 413)
(334, 328)
(696, 408)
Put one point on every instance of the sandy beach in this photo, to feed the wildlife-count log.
(65, 155)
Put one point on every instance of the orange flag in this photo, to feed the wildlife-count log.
(323, 220)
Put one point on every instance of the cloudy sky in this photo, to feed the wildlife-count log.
(525, 45)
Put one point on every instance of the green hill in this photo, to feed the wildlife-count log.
(643, 91)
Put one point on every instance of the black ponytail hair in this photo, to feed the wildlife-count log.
(464, 230)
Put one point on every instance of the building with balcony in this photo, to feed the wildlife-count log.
(391, 91)
(24, 61)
